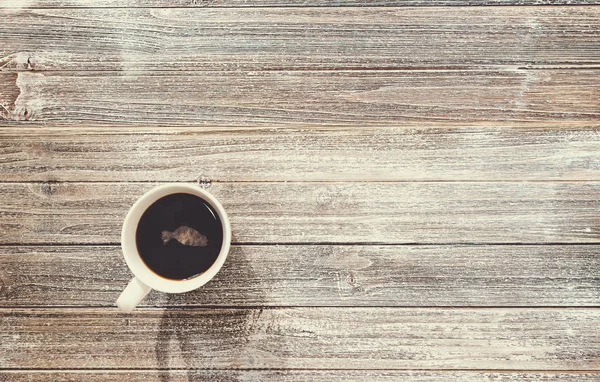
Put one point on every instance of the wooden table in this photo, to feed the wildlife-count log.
(413, 186)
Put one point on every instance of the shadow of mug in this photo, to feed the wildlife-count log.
(211, 327)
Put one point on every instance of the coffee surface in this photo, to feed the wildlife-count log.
(179, 236)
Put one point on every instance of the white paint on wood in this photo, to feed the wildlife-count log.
(496, 152)
(469, 76)
(23, 4)
(312, 338)
(299, 37)
(321, 275)
(432, 212)
(292, 376)
(267, 98)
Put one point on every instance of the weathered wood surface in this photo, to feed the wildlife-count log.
(455, 98)
(322, 275)
(34, 4)
(350, 98)
(430, 212)
(537, 151)
(292, 376)
(312, 338)
(298, 38)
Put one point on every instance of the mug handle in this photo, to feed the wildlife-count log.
(132, 295)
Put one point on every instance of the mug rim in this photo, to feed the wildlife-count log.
(131, 254)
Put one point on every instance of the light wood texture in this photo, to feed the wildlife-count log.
(291, 376)
(322, 275)
(350, 98)
(537, 151)
(34, 4)
(453, 212)
(300, 38)
(413, 190)
(313, 338)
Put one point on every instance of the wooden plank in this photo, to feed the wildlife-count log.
(432, 212)
(307, 338)
(34, 4)
(322, 275)
(351, 98)
(9, 92)
(291, 376)
(297, 38)
(538, 151)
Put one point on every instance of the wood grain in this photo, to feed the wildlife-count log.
(349, 98)
(308, 338)
(436, 212)
(322, 275)
(297, 38)
(537, 151)
(34, 4)
(291, 376)
(455, 98)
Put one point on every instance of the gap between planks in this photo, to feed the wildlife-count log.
(350, 244)
(20, 5)
(302, 4)
(299, 369)
(152, 308)
(402, 69)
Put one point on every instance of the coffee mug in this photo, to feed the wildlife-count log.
(145, 278)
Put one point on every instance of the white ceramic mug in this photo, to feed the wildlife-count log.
(145, 279)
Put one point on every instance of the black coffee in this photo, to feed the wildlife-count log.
(179, 236)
